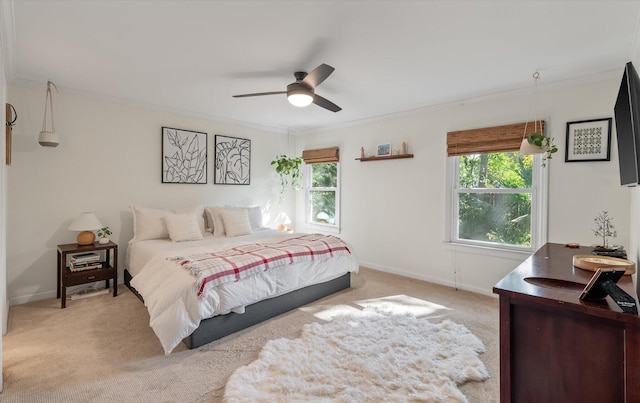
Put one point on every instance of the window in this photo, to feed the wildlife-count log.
(323, 194)
(322, 200)
(497, 196)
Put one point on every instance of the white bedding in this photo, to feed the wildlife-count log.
(169, 291)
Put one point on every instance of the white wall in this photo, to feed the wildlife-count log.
(109, 158)
(393, 211)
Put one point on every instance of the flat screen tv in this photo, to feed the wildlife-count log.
(627, 112)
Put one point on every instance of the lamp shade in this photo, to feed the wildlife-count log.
(86, 223)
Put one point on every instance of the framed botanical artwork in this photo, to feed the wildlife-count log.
(184, 156)
(588, 140)
(384, 150)
(233, 161)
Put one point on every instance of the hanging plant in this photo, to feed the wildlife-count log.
(289, 171)
(545, 143)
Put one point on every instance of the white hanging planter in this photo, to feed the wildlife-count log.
(531, 149)
(48, 138)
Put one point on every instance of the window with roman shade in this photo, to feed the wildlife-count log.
(322, 155)
(322, 202)
(496, 139)
(497, 195)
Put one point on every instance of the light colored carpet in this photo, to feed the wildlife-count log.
(366, 355)
(101, 348)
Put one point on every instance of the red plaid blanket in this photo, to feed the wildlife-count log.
(243, 261)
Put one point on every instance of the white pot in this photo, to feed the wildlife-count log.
(103, 241)
(529, 149)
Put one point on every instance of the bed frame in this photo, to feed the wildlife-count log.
(223, 325)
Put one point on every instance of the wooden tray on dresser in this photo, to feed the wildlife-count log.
(594, 262)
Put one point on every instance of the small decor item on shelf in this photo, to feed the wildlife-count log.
(604, 229)
(404, 148)
(384, 150)
(104, 233)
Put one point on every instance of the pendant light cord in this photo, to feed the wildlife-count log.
(534, 106)
(49, 100)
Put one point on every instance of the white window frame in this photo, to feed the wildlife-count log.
(539, 202)
(319, 227)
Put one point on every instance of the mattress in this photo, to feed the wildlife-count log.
(169, 291)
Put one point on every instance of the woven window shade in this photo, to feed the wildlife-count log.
(321, 155)
(497, 139)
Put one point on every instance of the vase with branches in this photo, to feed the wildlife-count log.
(604, 228)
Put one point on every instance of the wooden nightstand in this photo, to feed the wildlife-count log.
(67, 278)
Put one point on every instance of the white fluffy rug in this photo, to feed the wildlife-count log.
(370, 356)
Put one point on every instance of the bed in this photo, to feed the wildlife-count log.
(184, 307)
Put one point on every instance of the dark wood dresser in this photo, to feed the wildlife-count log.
(555, 347)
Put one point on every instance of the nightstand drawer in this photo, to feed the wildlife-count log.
(87, 276)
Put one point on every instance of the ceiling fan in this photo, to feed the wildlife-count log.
(302, 92)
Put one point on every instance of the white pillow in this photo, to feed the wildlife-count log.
(255, 218)
(216, 216)
(216, 225)
(149, 223)
(183, 227)
(208, 213)
(236, 222)
(197, 211)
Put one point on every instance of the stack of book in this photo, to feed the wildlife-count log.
(85, 261)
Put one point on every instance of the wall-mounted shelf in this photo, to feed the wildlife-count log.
(386, 157)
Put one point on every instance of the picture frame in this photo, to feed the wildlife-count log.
(588, 140)
(383, 150)
(593, 289)
(184, 156)
(232, 161)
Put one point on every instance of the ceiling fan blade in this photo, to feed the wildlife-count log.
(317, 76)
(257, 94)
(325, 103)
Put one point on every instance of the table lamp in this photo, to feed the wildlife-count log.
(86, 223)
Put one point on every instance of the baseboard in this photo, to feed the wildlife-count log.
(49, 294)
(435, 280)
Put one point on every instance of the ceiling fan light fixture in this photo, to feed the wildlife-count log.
(302, 92)
(300, 100)
(298, 95)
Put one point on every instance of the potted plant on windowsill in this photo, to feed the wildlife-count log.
(289, 171)
(537, 143)
(103, 234)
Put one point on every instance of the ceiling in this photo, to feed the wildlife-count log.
(190, 57)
